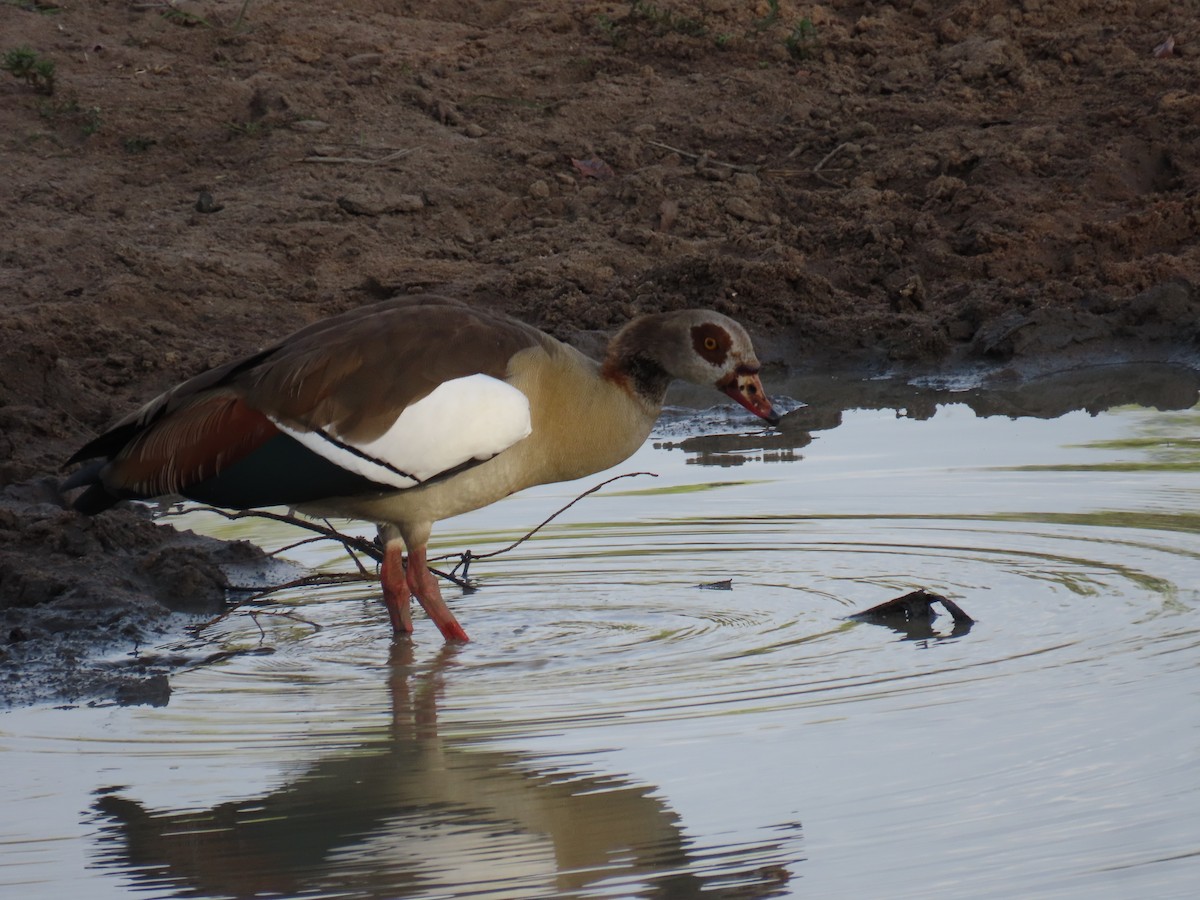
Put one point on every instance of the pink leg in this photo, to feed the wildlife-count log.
(396, 595)
(423, 585)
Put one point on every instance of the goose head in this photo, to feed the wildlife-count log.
(695, 345)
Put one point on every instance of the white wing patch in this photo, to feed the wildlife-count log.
(469, 418)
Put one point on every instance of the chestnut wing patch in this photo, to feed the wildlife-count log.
(195, 443)
(218, 450)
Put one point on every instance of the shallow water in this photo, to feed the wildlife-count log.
(615, 729)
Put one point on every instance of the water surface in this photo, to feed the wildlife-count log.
(664, 698)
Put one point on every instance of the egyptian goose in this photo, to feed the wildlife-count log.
(407, 412)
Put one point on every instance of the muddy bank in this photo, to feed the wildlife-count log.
(85, 600)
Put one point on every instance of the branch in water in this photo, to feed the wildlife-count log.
(321, 580)
(467, 557)
(352, 543)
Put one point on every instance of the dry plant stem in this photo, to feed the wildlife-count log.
(816, 170)
(197, 630)
(357, 160)
(362, 570)
(351, 543)
(322, 580)
(466, 557)
(299, 543)
(254, 614)
(753, 170)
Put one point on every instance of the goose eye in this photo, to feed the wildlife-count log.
(711, 342)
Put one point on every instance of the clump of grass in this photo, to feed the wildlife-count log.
(247, 129)
(137, 144)
(87, 118)
(241, 16)
(802, 42)
(770, 18)
(36, 6)
(611, 30)
(649, 18)
(173, 13)
(28, 65)
(182, 17)
(667, 21)
(646, 23)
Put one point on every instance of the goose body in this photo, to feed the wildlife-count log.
(408, 412)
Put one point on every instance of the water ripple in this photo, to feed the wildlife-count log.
(617, 614)
(617, 727)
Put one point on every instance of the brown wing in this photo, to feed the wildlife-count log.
(357, 374)
(351, 375)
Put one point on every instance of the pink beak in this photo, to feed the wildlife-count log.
(744, 387)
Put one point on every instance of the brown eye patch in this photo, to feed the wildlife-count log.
(711, 342)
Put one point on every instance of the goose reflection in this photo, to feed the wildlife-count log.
(419, 815)
(732, 439)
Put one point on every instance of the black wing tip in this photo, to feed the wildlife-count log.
(97, 497)
(105, 445)
(85, 475)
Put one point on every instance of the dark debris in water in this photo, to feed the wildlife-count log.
(913, 614)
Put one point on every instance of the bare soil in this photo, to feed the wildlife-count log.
(868, 186)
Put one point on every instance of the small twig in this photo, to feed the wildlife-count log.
(357, 160)
(348, 541)
(370, 548)
(753, 170)
(197, 630)
(262, 634)
(362, 570)
(319, 580)
(300, 543)
(458, 580)
(464, 560)
(816, 170)
(554, 515)
(255, 613)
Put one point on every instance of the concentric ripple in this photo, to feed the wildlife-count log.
(620, 614)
